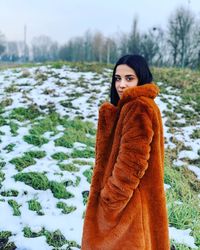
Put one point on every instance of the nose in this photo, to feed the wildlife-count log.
(123, 83)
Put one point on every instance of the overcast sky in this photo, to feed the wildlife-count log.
(63, 19)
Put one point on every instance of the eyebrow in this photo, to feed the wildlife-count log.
(125, 75)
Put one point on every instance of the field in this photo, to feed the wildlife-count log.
(48, 119)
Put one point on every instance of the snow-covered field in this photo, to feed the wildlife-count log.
(70, 93)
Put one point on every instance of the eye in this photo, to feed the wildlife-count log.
(117, 78)
(129, 78)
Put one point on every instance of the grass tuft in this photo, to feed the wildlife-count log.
(37, 181)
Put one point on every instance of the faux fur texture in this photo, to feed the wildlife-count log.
(126, 209)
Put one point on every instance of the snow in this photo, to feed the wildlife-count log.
(167, 186)
(182, 237)
(24, 243)
(196, 170)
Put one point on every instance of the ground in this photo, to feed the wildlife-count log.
(48, 125)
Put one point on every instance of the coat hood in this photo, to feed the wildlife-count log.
(109, 112)
(150, 90)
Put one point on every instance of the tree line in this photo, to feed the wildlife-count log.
(177, 45)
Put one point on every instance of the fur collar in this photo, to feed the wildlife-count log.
(108, 113)
(150, 90)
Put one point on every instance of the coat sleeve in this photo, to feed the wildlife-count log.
(132, 159)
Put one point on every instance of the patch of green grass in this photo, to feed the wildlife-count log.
(2, 133)
(85, 195)
(67, 104)
(40, 76)
(89, 66)
(2, 164)
(188, 86)
(13, 128)
(57, 65)
(4, 244)
(2, 178)
(60, 156)
(65, 208)
(76, 131)
(59, 190)
(3, 121)
(27, 159)
(86, 153)
(195, 134)
(5, 234)
(77, 182)
(10, 192)
(9, 148)
(29, 234)
(36, 140)
(11, 89)
(88, 174)
(48, 123)
(187, 214)
(64, 141)
(68, 167)
(34, 205)
(55, 239)
(82, 162)
(15, 206)
(22, 114)
(22, 162)
(74, 95)
(37, 181)
(79, 125)
(72, 135)
(6, 102)
(36, 154)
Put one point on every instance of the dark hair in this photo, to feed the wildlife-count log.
(141, 68)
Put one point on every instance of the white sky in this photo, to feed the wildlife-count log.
(63, 19)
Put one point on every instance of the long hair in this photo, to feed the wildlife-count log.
(141, 68)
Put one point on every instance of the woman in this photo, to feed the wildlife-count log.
(126, 209)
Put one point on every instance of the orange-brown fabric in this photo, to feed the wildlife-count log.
(126, 209)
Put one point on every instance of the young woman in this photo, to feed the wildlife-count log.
(126, 209)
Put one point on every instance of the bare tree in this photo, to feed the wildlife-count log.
(2, 43)
(98, 46)
(151, 44)
(88, 39)
(110, 50)
(179, 35)
(195, 51)
(123, 41)
(12, 51)
(134, 38)
(42, 48)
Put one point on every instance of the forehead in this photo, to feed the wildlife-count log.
(124, 69)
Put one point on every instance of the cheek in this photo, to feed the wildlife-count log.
(136, 82)
(133, 83)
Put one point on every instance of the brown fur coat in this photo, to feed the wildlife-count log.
(126, 209)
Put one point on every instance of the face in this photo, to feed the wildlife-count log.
(125, 77)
